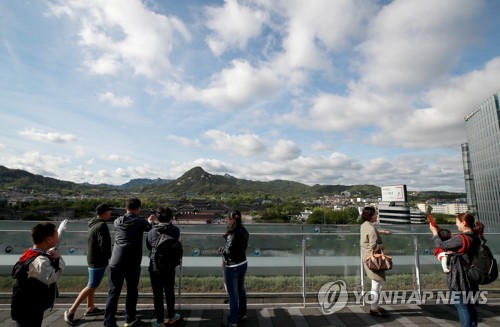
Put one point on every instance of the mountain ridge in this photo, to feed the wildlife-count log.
(196, 180)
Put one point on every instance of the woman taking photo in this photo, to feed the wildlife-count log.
(456, 279)
(371, 241)
(235, 260)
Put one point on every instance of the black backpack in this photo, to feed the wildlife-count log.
(166, 252)
(483, 269)
(27, 292)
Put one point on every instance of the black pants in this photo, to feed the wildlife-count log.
(117, 275)
(163, 282)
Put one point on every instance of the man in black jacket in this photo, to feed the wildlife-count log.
(125, 263)
(98, 254)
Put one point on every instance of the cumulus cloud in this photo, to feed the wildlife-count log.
(51, 137)
(231, 88)
(285, 150)
(183, 140)
(233, 24)
(125, 33)
(115, 157)
(114, 100)
(246, 145)
(38, 163)
(403, 52)
(320, 146)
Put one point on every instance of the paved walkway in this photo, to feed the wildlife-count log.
(259, 316)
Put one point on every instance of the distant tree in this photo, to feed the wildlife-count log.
(429, 209)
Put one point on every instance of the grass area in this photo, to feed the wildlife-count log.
(262, 284)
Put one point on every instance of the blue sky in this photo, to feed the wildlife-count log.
(319, 92)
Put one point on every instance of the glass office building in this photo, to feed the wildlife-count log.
(481, 160)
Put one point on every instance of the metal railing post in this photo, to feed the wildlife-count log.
(179, 301)
(417, 267)
(304, 270)
(362, 270)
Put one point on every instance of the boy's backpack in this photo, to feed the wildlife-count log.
(483, 268)
(29, 292)
(166, 253)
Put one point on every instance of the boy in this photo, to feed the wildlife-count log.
(36, 274)
(98, 254)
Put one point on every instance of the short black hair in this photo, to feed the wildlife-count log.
(41, 231)
(133, 204)
(165, 215)
(368, 213)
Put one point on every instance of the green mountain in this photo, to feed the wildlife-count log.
(196, 180)
(199, 181)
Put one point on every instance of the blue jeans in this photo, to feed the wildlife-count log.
(235, 283)
(116, 277)
(467, 313)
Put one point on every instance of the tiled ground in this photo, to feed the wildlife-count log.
(215, 315)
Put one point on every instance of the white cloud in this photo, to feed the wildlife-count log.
(312, 35)
(232, 25)
(183, 140)
(403, 51)
(285, 150)
(124, 33)
(115, 157)
(2, 146)
(52, 137)
(320, 146)
(114, 100)
(231, 88)
(450, 103)
(245, 145)
(38, 163)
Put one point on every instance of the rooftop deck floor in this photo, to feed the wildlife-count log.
(204, 315)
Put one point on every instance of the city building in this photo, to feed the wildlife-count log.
(417, 216)
(394, 207)
(481, 161)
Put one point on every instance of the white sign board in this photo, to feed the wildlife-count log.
(396, 193)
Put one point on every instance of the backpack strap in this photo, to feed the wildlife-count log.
(466, 243)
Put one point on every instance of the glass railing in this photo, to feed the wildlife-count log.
(311, 255)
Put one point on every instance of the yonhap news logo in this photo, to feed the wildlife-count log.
(332, 296)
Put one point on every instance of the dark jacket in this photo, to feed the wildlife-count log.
(236, 246)
(99, 244)
(459, 262)
(161, 228)
(129, 230)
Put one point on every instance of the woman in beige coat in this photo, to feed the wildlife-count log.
(370, 241)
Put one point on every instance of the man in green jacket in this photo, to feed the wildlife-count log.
(98, 254)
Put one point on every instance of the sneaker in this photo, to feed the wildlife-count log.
(157, 324)
(130, 323)
(94, 312)
(378, 313)
(242, 318)
(174, 319)
(69, 317)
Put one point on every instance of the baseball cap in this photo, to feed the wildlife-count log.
(102, 208)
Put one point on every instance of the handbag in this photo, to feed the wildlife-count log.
(378, 261)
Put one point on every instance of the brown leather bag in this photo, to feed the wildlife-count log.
(379, 261)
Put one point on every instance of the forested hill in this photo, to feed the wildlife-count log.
(195, 180)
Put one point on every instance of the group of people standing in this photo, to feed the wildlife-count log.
(31, 297)
(460, 247)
